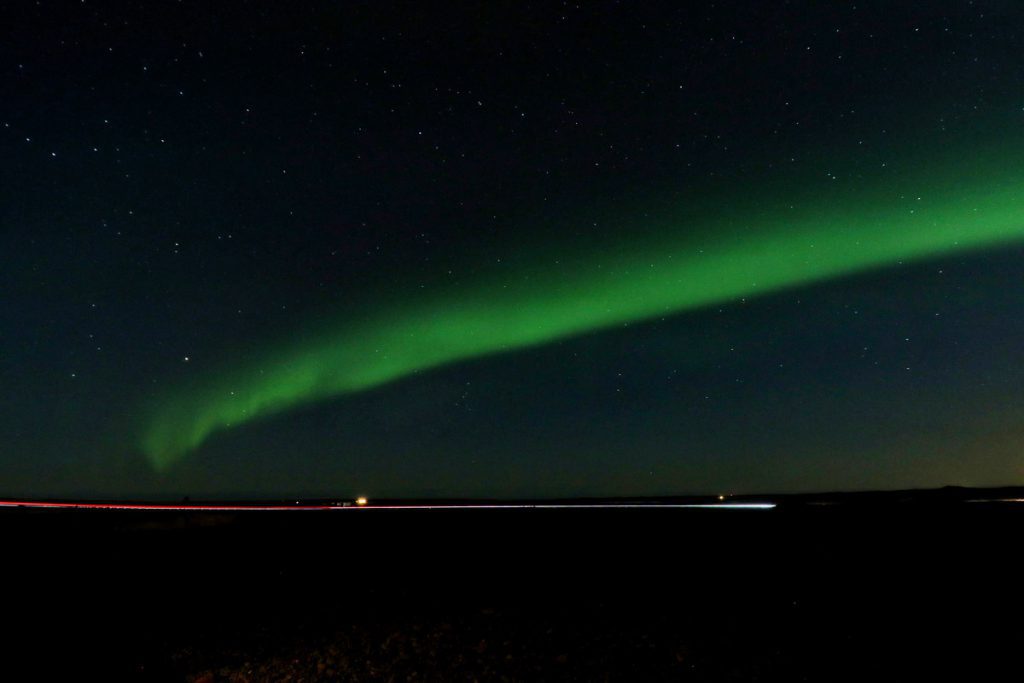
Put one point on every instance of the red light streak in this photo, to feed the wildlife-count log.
(184, 507)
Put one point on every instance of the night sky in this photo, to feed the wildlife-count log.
(269, 249)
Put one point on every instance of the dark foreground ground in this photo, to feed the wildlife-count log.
(493, 645)
(886, 591)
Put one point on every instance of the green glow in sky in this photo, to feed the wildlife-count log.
(687, 265)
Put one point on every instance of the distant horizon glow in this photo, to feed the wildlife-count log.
(359, 506)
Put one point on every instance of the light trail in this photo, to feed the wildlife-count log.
(354, 506)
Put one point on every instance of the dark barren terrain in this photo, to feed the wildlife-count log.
(885, 587)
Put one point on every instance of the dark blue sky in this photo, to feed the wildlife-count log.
(184, 183)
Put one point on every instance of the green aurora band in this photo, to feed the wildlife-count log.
(699, 259)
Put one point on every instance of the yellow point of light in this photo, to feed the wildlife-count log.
(360, 501)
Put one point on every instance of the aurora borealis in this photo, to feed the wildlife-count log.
(781, 249)
(511, 251)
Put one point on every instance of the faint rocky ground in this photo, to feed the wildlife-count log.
(490, 645)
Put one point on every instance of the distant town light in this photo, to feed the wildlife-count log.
(360, 501)
(721, 498)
